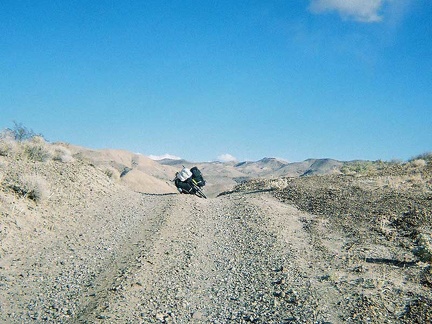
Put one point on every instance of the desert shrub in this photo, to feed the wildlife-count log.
(37, 150)
(7, 134)
(418, 163)
(8, 145)
(20, 141)
(61, 154)
(402, 182)
(21, 133)
(32, 187)
(427, 157)
(40, 140)
(369, 168)
(112, 173)
(361, 167)
(426, 276)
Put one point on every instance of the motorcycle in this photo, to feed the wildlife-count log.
(190, 182)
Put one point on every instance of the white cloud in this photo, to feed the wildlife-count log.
(359, 10)
(165, 156)
(226, 158)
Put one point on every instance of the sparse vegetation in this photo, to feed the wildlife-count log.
(31, 186)
(424, 247)
(7, 143)
(425, 156)
(363, 167)
(22, 143)
(384, 209)
(401, 200)
(418, 163)
(36, 149)
(61, 154)
(21, 133)
(112, 173)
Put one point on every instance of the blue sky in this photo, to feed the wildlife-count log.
(342, 79)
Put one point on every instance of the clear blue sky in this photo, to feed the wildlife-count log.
(342, 79)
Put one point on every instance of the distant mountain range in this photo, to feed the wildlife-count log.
(146, 175)
(267, 167)
(224, 175)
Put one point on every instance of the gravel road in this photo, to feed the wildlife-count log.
(244, 257)
(219, 260)
(129, 257)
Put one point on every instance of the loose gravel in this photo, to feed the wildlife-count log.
(96, 252)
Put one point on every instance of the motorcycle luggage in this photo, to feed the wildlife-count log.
(184, 174)
(196, 174)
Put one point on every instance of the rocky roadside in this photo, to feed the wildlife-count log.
(380, 225)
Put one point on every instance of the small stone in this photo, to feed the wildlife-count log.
(198, 315)
(424, 249)
(160, 317)
(278, 269)
(369, 283)
(277, 294)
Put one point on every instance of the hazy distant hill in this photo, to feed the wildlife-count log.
(173, 162)
(219, 176)
(266, 167)
(310, 167)
(144, 174)
(134, 170)
(263, 167)
(222, 176)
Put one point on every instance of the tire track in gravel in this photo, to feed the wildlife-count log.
(141, 222)
(237, 258)
(73, 269)
(131, 258)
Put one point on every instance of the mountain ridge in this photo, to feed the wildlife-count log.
(268, 166)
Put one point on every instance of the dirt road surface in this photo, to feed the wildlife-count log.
(174, 259)
(105, 254)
